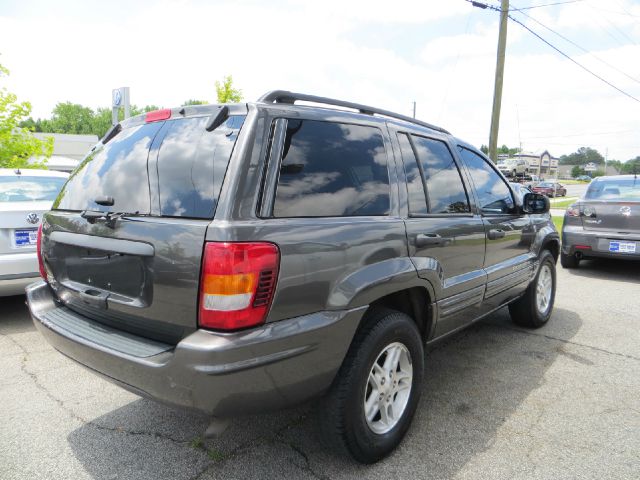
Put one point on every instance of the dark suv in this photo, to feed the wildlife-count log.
(241, 258)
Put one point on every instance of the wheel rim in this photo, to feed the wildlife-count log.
(388, 388)
(544, 289)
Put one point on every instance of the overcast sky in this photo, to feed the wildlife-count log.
(440, 53)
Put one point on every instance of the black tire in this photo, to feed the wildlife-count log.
(342, 421)
(569, 261)
(525, 311)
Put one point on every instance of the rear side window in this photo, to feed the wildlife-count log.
(117, 169)
(445, 190)
(332, 169)
(191, 165)
(494, 195)
(23, 188)
(626, 189)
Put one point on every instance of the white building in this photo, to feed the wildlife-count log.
(68, 149)
(541, 164)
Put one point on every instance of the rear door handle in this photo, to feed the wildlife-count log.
(495, 234)
(430, 239)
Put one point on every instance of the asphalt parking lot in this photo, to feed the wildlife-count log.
(499, 402)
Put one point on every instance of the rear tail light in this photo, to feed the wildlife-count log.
(573, 210)
(237, 284)
(43, 272)
(157, 115)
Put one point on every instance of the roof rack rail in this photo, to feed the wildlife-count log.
(284, 96)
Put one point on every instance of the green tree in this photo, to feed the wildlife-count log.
(631, 166)
(484, 149)
(17, 144)
(70, 118)
(576, 171)
(582, 156)
(195, 102)
(225, 91)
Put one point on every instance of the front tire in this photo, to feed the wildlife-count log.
(375, 394)
(534, 308)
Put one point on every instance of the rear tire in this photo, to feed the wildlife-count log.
(373, 398)
(569, 261)
(534, 308)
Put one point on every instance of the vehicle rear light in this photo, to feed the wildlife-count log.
(237, 284)
(573, 210)
(157, 115)
(43, 272)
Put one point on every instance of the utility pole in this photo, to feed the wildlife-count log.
(414, 109)
(497, 89)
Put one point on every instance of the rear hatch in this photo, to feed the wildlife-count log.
(613, 205)
(137, 267)
(23, 200)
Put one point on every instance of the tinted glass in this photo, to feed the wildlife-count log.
(627, 189)
(493, 193)
(332, 169)
(191, 165)
(30, 189)
(415, 188)
(117, 169)
(445, 190)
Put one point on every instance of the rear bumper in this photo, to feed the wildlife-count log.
(597, 241)
(17, 270)
(223, 374)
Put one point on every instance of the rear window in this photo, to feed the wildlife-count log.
(117, 169)
(332, 169)
(191, 164)
(623, 189)
(24, 188)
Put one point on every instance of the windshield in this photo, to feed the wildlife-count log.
(546, 184)
(626, 189)
(30, 189)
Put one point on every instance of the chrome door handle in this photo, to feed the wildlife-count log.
(430, 239)
(495, 234)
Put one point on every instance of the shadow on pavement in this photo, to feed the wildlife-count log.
(608, 269)
(14, 315)
(475, 381)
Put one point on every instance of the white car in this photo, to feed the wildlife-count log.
(24, 196)
(511, 167)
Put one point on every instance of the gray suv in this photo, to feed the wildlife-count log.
(241, 258)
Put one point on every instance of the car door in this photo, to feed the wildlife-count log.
(509, 261)
(446, 238)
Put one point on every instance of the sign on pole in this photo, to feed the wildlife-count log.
(120, 99)
(590, 167)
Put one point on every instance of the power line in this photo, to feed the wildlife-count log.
(574, 61)
(568, 57)
(546, 5)
(579, 47)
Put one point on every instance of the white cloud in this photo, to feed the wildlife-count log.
(175, 50)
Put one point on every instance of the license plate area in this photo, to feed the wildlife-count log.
(25, 238)
(617, 246)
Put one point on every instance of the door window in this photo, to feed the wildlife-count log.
(494, 195)
(331, 169)
(445, 190)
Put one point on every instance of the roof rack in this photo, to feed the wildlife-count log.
(284, 96)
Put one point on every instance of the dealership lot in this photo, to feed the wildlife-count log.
(499, 402)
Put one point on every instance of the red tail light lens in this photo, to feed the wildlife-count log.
(237, 284)
(573, 210)
(43, 272)
(157, 115)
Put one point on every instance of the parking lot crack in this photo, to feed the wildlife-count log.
(569, 342)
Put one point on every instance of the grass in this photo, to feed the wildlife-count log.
(572, 182)
(558, 221)
(563, 203)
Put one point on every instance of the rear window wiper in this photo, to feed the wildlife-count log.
(110, 218)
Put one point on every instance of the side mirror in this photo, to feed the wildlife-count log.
(535, 203)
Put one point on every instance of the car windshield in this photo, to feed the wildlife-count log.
(546, 184)
(627, 189)
(23, 188)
